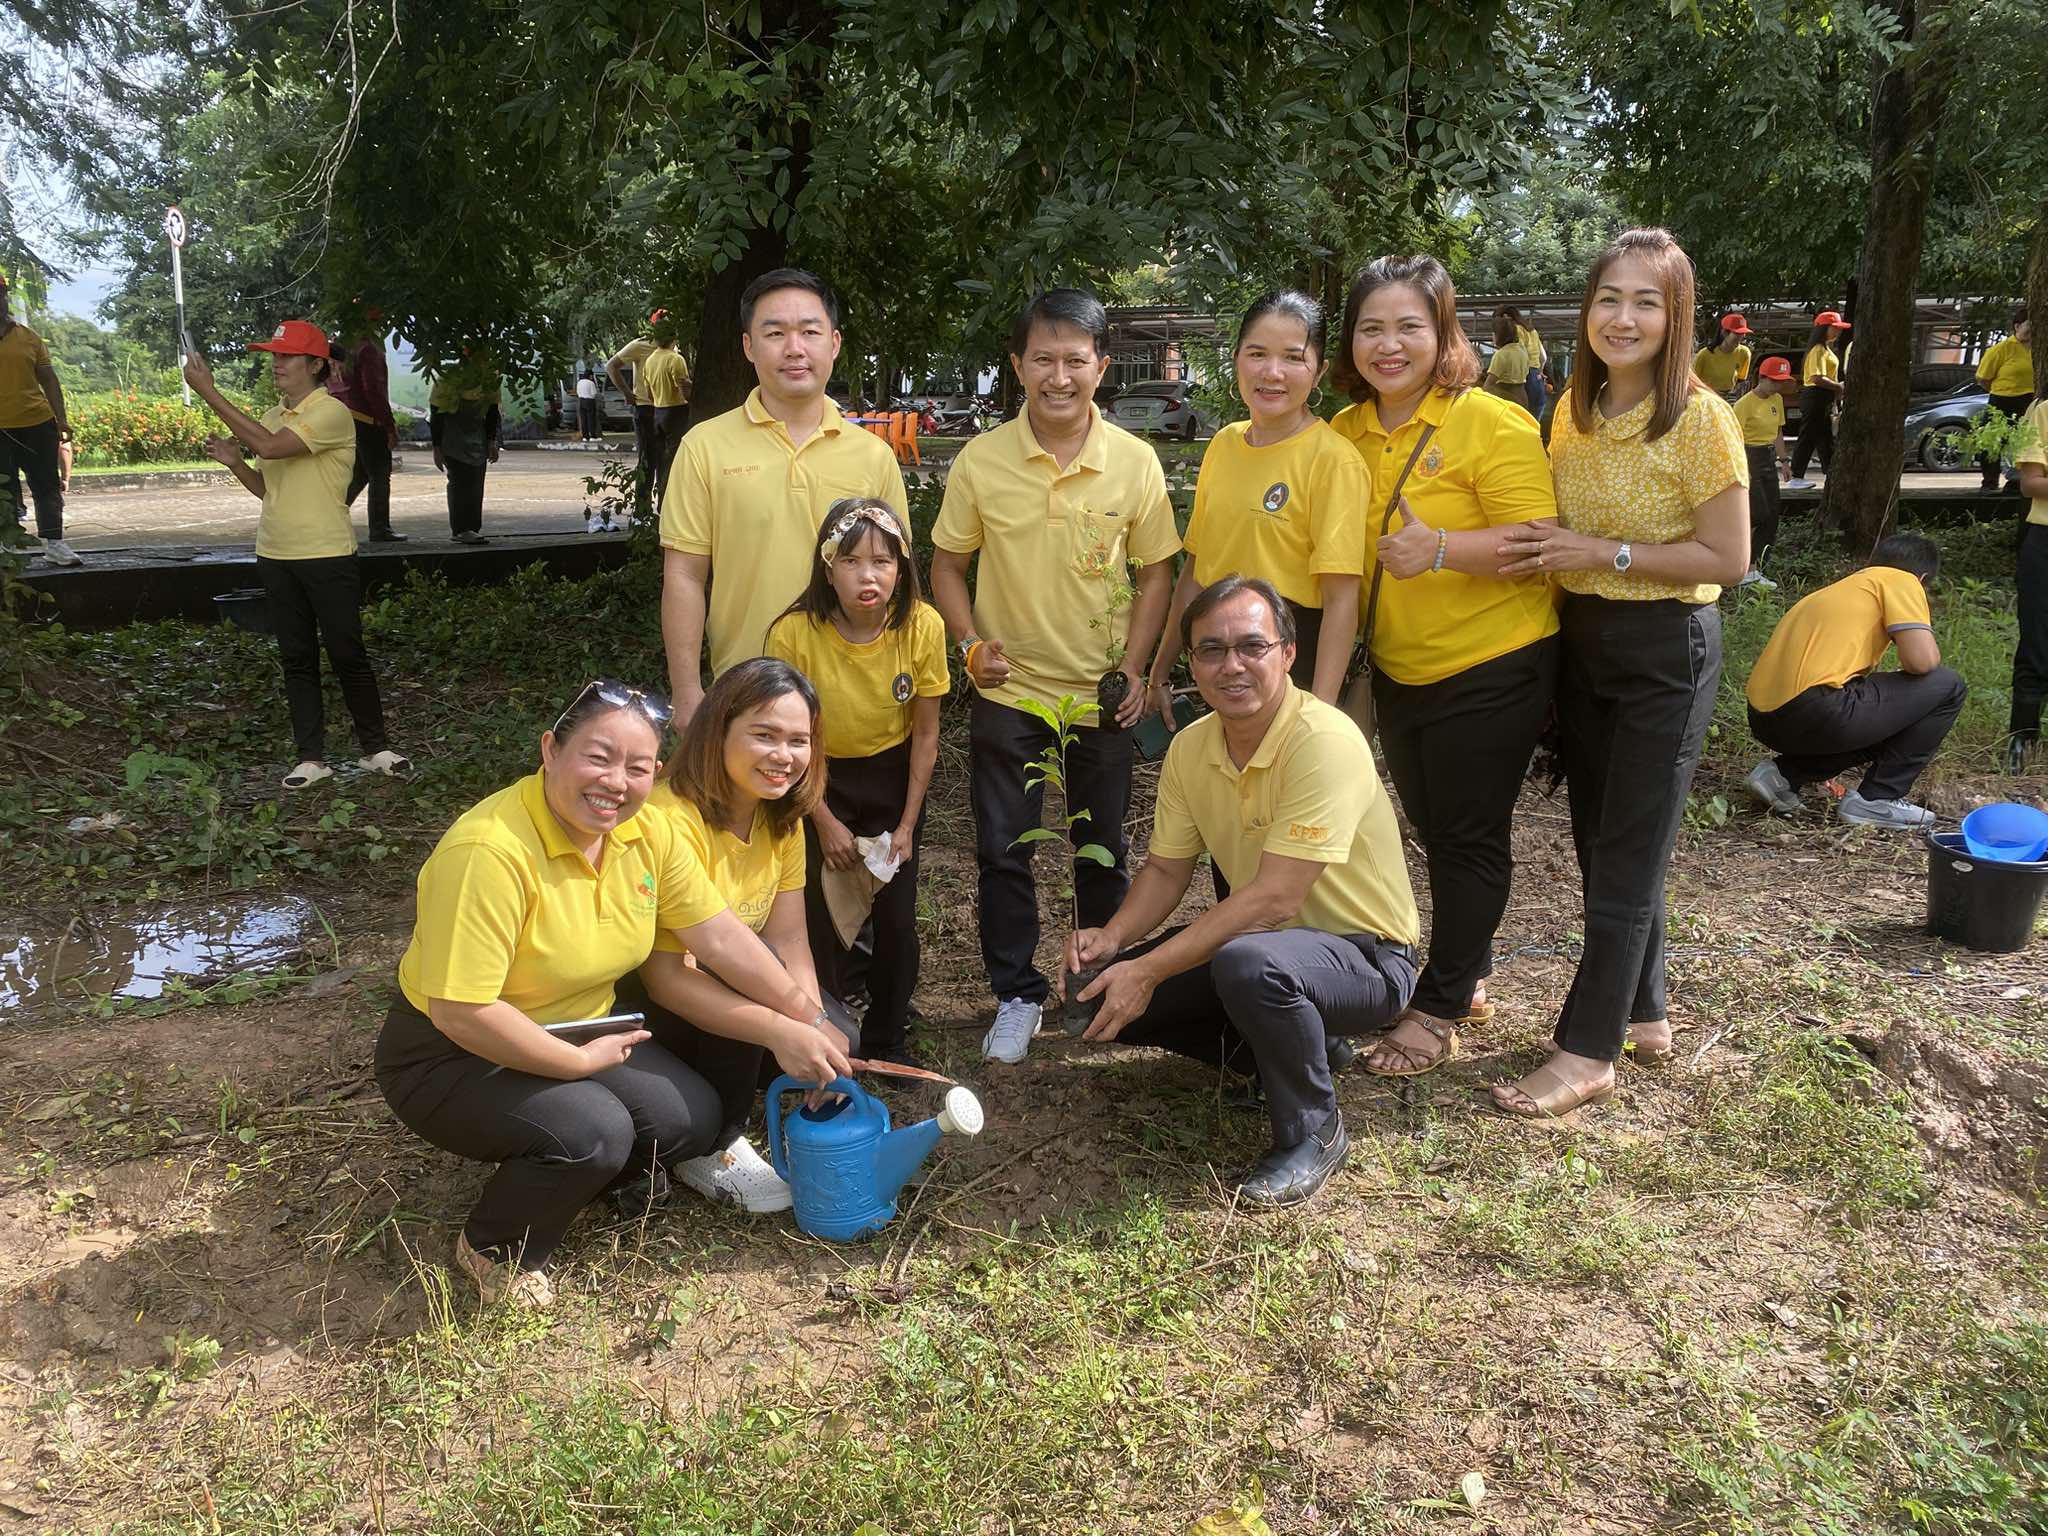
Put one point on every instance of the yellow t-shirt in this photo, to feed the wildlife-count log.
(1484, 468)
(305, 497)
(1613, 483)
(1290, 512)
(1051, 540)
(1821, 363)
(742, 493)
(22, 401)
(865, 691)
(1761, 417)
(1722, 370)
(1532, 346)
(747, 875)
(1510, 365)
(2033, 449)
(509, 908)
(1309, 792)
(634, 355)
(2008, 368)
(1841, 631)
(662, 377)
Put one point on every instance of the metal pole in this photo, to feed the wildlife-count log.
(178, 294)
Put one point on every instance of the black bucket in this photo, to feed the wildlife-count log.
(245, 608)
(1982, 904)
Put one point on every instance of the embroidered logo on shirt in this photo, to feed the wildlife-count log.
(1306, 834)
(1276, 496)
(899, 690)
(1432, 462)
(740, 469)
(649, 900)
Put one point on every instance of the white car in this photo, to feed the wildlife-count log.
(1164, 406)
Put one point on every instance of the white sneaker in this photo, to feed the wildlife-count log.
(311, 771)
(1768, 783)
(1883, 813)
(57, 552)
(386, 762)
(1758, 580)
(1009, 1039)
(593, 523)
(738, 1176)
(1801, 485)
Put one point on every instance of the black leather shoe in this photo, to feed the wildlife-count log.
(386, 536)
(1341, 1051)
(1290, 1175)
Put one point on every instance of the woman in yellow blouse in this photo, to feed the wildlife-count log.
(749, 769)
(1464, 659)
(1652, 520)
(531, 908)
(1820, 376)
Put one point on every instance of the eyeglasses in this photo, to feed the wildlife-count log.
(656, 708)
(1210, 653)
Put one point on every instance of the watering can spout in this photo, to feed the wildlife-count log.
(903, 1152)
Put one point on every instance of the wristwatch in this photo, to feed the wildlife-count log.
(1622, 558)
(966, 644)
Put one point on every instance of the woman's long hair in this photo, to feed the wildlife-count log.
(819, 601)
(1457, 365)
(1660, 249)
(697, 773)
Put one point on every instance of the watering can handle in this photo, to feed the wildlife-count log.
(778, 1159)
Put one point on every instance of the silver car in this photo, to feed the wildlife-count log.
(1163, 406)
(1930, 428)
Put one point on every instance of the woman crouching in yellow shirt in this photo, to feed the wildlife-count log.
(1653, 518)
(1464, 659)
(531, 908)
(747, 773)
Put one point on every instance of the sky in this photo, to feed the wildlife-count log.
(83, 292)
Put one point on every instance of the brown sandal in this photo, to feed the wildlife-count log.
(1416, 1059)
(1479, 1010)
(1653, 1052)
(1547, 1095)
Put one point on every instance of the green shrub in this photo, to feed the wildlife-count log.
(122, 427)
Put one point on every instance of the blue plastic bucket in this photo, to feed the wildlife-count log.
(2007, 832)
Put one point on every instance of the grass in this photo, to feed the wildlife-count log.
(91, 471)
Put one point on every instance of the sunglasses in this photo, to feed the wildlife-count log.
(655, 707)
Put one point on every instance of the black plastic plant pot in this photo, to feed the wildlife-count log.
(1076, 1016)
(1110, 692)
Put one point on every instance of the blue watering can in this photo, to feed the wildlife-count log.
(844, 1165)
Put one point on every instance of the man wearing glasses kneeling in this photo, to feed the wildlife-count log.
(1316, 938)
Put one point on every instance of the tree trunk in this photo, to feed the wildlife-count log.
(2037, 296)
(723, 376)
(1863, 482)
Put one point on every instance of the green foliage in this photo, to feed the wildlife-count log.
(1050, 768)
(128, 428)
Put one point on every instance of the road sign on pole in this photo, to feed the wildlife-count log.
(174, 230)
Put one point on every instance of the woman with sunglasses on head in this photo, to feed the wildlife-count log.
(530, 909)
(1652, 520)
(863, 635)
(746, 774)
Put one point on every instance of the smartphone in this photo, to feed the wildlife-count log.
(185, 340)
(577, 1031)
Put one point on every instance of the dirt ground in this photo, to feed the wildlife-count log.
(229, 1176)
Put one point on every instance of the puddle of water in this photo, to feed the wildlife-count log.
(198, 944)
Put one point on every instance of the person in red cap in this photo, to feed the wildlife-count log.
(1821, 379)
(646, 436)
(365, 388)
(33, 431)
(305, 452)
(1761, 415)
(1726, 363)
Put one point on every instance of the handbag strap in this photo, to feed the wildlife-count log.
(1372, 600)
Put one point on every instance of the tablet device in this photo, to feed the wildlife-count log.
(577, 1031)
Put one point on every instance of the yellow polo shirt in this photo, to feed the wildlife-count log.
(1484, 468)
(1510, 364)
(1050, 542)
(509, 908)
(745, 495)
(1613, 483)
(2008, 368)
(1291, 512)
(662, 377)
(634, 355)
(2033, 449)
(1309, 792)
(22, 401)
(1761, 417)
(747, 875)
(866, 691)
(1821, 363)
(1840, 632)
(1532, 346)
(305, 497)
(1722, 370)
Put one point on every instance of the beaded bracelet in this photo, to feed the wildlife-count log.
(1443, 543)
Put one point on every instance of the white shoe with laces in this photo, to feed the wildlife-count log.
(736, 1176)
(57, 552)
(1901, 814)
(1009, 1038)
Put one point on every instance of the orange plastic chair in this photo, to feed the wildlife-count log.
(903, 438)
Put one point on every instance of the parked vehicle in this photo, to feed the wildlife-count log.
(1164, 406)
(613, 414)
(1931, 428)
(955, 415)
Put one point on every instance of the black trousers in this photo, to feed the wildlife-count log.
(645, 441)
(1002, 742)
(1458, 750)
(2030, 656)
(30, 453)
(465, 496)
(2014, 407)
(373, 468)
(867, 793)
(1894, 721)
(1268, 1003)
(1816, 430)
(1635, 695)
(670, 423)
(1308, 632)
(1763, 500)
(558, 1145)
(586, 419)
(315, 603)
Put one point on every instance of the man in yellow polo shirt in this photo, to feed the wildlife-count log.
(1057, 506)
(1317, 937)
(2007, 374)
(749, 488)
(1817, 700)
(634, 355)
(665, 379)
(33, 428)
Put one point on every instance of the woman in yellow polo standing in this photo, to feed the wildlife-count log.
(305, 451)
(1820, 378)
(1464, 660)
(1653, 518)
